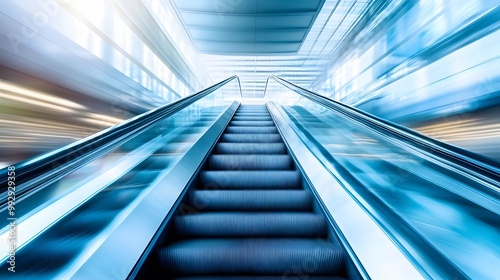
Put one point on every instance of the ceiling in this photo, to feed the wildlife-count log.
(248, 27)
(253, 39)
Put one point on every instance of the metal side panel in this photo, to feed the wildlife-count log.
(372, 251)
(116, 254)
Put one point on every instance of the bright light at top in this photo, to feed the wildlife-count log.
(93, 10)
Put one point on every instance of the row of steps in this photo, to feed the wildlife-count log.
(250, 215)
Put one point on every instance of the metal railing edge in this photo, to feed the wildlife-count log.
(472, 161)
(55, 164)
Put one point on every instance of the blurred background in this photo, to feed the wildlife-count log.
(69, 69)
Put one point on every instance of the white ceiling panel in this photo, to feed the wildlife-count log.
(273, 27)
(293, 39)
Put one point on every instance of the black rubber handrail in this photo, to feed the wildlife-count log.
(48, 167)
(487, 169)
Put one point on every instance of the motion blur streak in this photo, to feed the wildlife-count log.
(32, 122)
(478, 131)
(12, 88)
(118, 115)
(435, 62)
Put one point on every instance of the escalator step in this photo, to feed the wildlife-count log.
(251, 256)
(250, 162)
(252, 118)
(251, 138)
(290, 275)
(251, 129)
(253, 114)
(250, 179)
(246, 108)
(252, 107)
(250, 148)
(251, 200)
(238, 224)
(252, 123)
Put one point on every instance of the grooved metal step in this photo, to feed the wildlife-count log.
(251, 129)
(251, 200)
(250, 162)
(261, 179)
(250, 256)
(252, 118)
(252, 123)
(251, 138)
(237, 224)
(250, 148)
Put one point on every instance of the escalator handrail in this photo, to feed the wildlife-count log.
(474, 162)
(54, 164)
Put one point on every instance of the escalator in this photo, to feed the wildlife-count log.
(249, 213)
(301, 188)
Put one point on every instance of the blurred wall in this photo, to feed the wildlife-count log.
(424, 63)
(71, 68)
